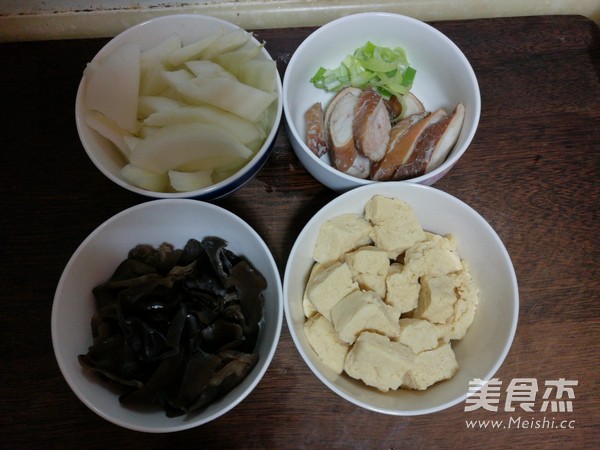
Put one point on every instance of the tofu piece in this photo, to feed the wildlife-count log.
(444, 331)
(430, 367)
(462, 318)
(307, 306)
(395, 225)
(360, 311)
(379, 362)
(380, 208)
(369, 266)
(395, 267)
(431, 258)
(368, 260)
(464, 309)
(325, 342)
(402, 291)
(436, 299)
(340, 235)
(418, 334)
(329, 286)
(447, 242)
(370, 282)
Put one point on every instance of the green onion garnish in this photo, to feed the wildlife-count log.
(384, 69)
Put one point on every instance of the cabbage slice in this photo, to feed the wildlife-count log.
(113, 86)
(110, 130)
(243, 130)
(144, 178)
(175, 145)
(190, 181)
(192, 50)
(228, 94)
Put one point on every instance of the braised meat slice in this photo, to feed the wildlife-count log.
(372, 125)
(339, 119)
(316, 139)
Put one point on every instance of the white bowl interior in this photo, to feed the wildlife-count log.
(189, 27)
(489, 338)
(444, 78)
(174, 221)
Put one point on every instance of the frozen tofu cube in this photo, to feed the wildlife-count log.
(307, 306)
(325, 342)
(380, 208)
(431, 258)
(360, 311)
(431, 366)
(396, 235)
(340, 235)
(436, 299)
(369, 266)
(378, 362)
(447, 242)
(368, 260)
(395, 267)
(444, 331)
(395, 225)
(462, 318)
(466, 304)
(402, 291)
(329, 286)
(371, 282)
(418, 334)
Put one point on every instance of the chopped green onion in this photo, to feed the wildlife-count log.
(383, 92)
(409, 76)
(319, 75)
(382, 68)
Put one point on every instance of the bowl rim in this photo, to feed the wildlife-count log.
(435, 174)
(319, 217)
(266, 359)
(215, 191)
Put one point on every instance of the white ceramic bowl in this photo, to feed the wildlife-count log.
(190, 27)
(487, 342)
(444, 78)
(154, 222)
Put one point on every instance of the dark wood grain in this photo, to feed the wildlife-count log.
(532, 171)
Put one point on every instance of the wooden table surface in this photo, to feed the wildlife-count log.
(532, 171)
